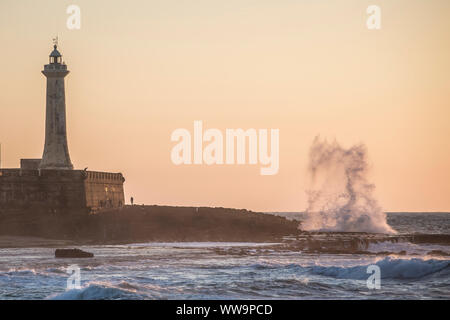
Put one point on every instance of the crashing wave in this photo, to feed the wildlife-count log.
(98, 291)
(341, 198)
(390, 268)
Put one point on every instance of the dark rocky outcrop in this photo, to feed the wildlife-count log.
(149, 223)
(72, 253)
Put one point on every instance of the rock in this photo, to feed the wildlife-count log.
(438, 253)
(72, 253)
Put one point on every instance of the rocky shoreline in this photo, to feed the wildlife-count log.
(140, 224)
(148, 223)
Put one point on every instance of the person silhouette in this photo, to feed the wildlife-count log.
(132, 200)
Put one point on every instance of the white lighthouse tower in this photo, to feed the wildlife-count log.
(56, 151)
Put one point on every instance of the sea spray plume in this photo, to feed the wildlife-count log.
(341, 198)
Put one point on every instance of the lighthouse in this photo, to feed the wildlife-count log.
(51, 185)
(56, 151)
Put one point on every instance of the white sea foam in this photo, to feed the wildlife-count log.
(341, 198)
(391, 268)
(406, 247)
(200, 244)
(98, 291)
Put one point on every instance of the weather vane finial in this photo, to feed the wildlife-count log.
(55, 41)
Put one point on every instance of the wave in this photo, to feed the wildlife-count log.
(405, 247)
(112, 291)
(341, 197)
(15, 271)
(35, 271)
(99, 291)
(390, 268)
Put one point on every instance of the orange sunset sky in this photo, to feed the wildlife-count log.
(141, 69)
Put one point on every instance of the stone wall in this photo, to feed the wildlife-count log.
(59, 190)
(30, 164)
(104, 190)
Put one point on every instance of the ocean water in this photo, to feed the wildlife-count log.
(209, 270)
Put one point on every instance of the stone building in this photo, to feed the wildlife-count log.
(50, 183)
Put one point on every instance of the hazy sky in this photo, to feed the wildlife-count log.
(141, 69)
